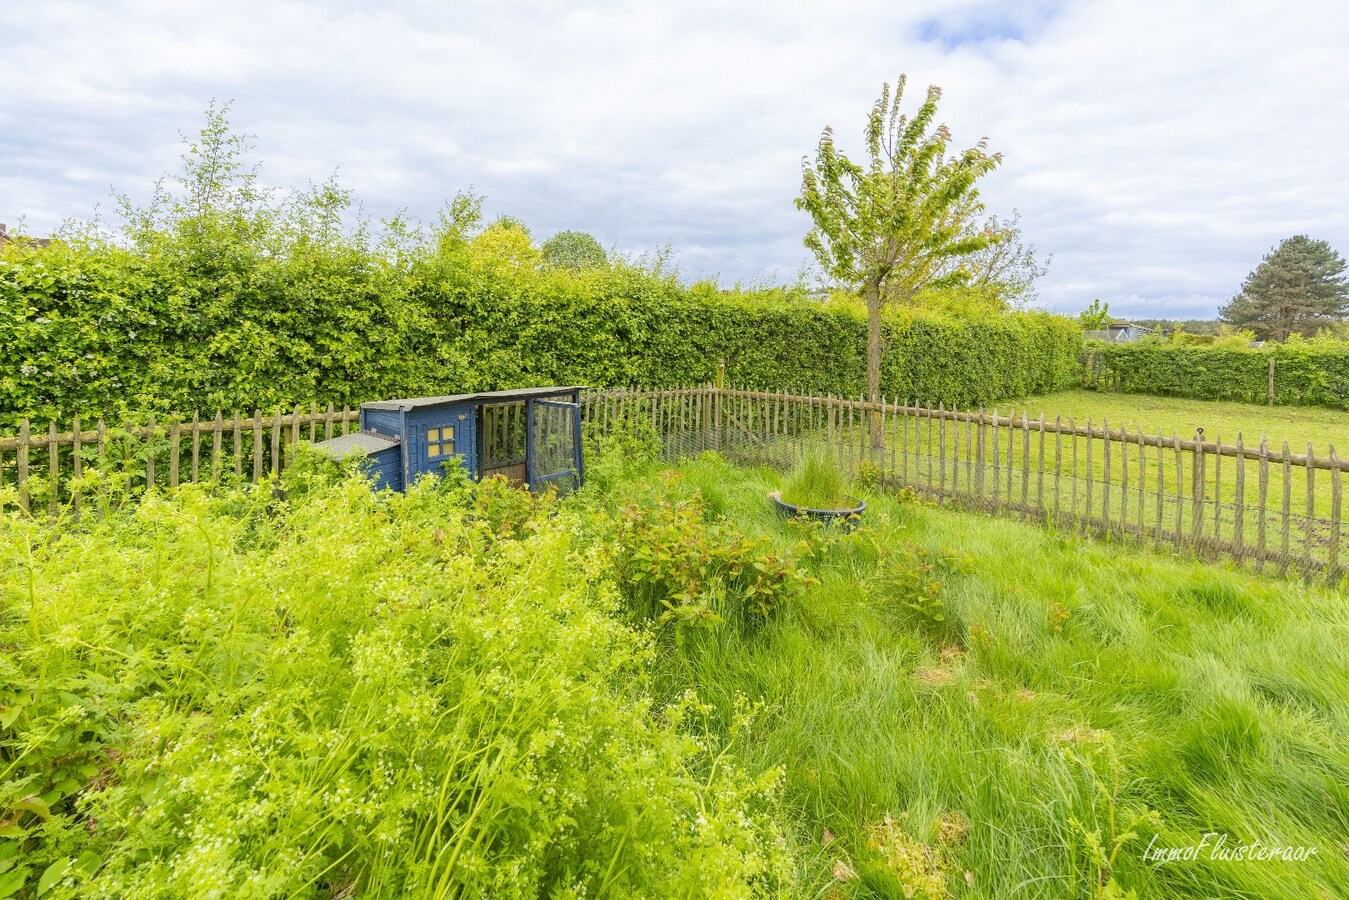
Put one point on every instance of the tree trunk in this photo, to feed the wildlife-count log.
(873, 300)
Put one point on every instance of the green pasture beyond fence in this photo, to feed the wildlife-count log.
(1268, 507)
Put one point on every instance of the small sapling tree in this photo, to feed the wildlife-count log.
(892, 227)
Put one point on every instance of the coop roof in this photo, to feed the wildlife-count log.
(533, 393)
(359, 442)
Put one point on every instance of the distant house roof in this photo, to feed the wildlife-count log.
(7, 238)
(359, 442)
(480, 397)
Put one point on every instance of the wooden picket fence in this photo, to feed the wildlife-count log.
(165, 454)
(1269, 507)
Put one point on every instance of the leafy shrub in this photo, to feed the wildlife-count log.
(675, 567)
(344, 693)
(915, 580)
(241, 302)
(574, 250)
(1306, 373)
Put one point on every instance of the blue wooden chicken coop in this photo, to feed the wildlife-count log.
(532, 436)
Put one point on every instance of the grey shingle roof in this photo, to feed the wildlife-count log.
(359, 442)
(481, 397)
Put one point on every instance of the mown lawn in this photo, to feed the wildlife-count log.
(656, 688)
(1296, 424)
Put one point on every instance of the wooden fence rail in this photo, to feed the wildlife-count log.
(1263, 505)
(161, 453)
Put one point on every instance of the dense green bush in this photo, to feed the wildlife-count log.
(573, 250)
(349, 694)
(100, 330)
(1306, 373)
(217, 295)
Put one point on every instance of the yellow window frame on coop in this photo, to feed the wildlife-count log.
(440, 442)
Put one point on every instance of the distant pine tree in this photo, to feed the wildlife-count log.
(1298, 288)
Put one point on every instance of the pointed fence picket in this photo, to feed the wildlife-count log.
(1192, 495)
(1182, 495)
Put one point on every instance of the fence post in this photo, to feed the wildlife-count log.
(1025, 463)
(1180, 489)
(1161, 488)
(997, 461)
(175, 451)
(1091, 474)
(1271, 379)
(1197, 484)
(1285, 555)
(257, 445)
(1124, 478)
(1072, 461)
(217, 437)
(1309, 525)
(76, 467)
(1239, 511)
(1217, 491)
(1333, 551)
(54, 468)
(979, 459)
(276, 442)
(150, 455)
(1105, 475)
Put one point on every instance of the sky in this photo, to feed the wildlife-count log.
(1157, 150)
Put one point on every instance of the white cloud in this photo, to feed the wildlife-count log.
(1156, 149)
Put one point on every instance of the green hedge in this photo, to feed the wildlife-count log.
(102, 331)
(1305, 374)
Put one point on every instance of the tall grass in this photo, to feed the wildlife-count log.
(1066, 690)
(817, 482)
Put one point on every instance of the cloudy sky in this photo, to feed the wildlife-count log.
(1156, 149)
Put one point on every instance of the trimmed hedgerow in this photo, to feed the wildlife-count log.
(1310, 373)
(105, 331)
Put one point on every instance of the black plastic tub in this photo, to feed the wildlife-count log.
(845, 517)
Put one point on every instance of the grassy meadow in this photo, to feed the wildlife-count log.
(1052, 695)
(1298, 425)
(655, 688)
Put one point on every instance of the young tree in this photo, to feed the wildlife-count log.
(1298, 288)
(1095, 317)
(891, 227)
(1006, 268)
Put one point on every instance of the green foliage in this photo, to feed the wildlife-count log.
(903, 222)
(674, 567)
(1299, 288)
(350, 694)
(1089, 684)
(574, 250)
(886, 228)
(1306, 373)
(1097, 763)
(817, 482)
(1095, 317)
(1002, 274)
(219, 296)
